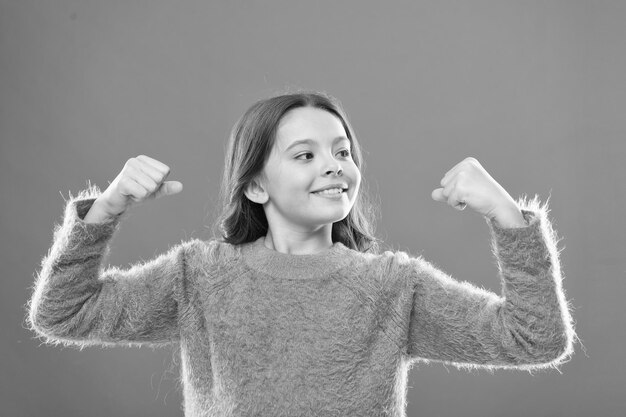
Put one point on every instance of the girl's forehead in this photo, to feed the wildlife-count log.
(308, 115)
(307, 123)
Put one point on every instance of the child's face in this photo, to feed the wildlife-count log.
(294, 171)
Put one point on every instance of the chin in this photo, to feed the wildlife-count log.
(317, 219)
(335, 219)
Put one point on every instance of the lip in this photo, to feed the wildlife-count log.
(328, 187)
(337, 197)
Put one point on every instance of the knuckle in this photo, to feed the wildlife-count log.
(124, 181)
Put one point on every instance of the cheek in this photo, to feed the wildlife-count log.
(356, 177)
(294, 186)
(355, 173)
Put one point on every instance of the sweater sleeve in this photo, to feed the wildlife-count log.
(77, 302)
(528, 326)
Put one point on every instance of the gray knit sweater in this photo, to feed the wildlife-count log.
(328, 334)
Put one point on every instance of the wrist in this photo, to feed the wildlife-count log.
(99, 213)
(510, 217)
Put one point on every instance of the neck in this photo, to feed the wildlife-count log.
(299, 243)
(293, 266)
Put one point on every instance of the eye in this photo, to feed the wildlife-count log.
(302, 154)
(347, 153)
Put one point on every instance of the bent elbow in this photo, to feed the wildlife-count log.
(548, 351)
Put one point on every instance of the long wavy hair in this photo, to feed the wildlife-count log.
(249, 147)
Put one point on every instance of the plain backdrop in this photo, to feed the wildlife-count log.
(535, 90)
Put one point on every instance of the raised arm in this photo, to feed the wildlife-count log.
(528, 326)
(77, 302)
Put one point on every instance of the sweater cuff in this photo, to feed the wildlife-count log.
(76, 229)
(524, 246)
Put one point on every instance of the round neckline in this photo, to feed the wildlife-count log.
(291, 266)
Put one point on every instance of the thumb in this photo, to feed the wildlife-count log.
(169, 188)
(437, 195)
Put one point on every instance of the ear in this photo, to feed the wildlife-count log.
(256, 193)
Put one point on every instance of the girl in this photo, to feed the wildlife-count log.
(293, 310)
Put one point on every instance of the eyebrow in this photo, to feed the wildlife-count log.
(311, 141)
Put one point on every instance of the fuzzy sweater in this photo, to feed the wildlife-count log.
(262, 333)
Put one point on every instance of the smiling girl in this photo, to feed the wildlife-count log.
(293, 310)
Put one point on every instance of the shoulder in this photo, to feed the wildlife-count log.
(211, 252)
(390, 256)
(388, 263)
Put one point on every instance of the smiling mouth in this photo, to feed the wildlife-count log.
(331, 191)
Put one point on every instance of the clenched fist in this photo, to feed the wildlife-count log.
(141, 179)
(469, 184)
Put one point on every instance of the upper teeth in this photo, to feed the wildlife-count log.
(330, 191)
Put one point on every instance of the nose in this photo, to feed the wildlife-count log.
(331, 165)
(334, 168)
